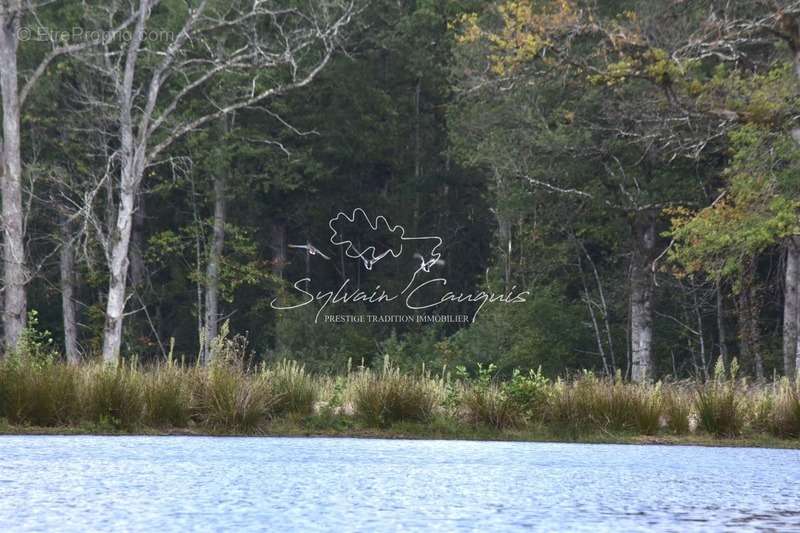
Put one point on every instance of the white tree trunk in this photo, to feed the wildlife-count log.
(641, 301)
(15, 277)
(67, 269)
(213, 266)
(115, 306)
(118, 266)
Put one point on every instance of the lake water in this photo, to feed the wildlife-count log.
(243, 484)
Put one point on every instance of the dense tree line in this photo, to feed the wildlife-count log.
(633, 165)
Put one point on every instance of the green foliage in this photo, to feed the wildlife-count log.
(537, 333)
(530, 392)
(502, 405)
(758, 211)
(36, 343)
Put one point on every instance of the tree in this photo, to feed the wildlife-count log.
(15, 91)
(621, 98)
(270, 49)
(757, 209)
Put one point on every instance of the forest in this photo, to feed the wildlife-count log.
(617, 180)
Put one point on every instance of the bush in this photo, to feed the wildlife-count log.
(294, 389)
(114, 396)
(381, 399)
(529, 392)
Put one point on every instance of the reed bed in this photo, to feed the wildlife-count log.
(231, 396)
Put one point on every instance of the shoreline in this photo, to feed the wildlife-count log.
(420, 432)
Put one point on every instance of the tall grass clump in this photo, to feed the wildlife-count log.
(718, 405)
(294, 388)
(648, 405)
(382, 398)
(168, 395)
(676, 409)
(228, 396)
(35, 388)
(39, 392)
(591, 403)
(113, 395)
(785, 420)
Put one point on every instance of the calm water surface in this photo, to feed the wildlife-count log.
(247, 484)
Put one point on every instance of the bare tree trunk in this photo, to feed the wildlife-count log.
(132, 155)
(67, 269)
(641, 299)
(14, 275)
(213, 265)
(791, 309)
(118, 268)
(791, 306)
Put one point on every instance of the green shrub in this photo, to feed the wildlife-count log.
(381, 399)
(530, 393)
(498, 405)
(294, 389)
(114, 396)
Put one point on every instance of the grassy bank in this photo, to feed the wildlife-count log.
(39, 395)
